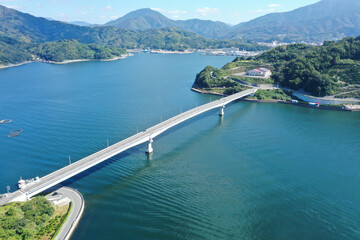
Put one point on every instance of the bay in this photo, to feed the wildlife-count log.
(263, 171)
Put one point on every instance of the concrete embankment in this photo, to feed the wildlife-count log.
(296, 104)
(206, 92)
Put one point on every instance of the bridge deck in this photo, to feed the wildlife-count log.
(104, 154)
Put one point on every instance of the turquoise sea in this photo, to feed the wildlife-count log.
(263, 171)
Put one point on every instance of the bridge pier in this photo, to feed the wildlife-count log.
(222, 111)
(150, 148)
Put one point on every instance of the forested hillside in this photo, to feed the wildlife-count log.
(14, 51)
(330, 69)
(318, 70)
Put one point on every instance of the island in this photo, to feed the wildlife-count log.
(326, 75)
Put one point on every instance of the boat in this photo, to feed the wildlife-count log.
(15, 133)
(23, 183)
(5, 121)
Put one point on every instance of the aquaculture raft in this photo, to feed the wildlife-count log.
(6, 121)
(15, 133)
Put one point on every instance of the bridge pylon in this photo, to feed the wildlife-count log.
(150, 148)
(221, 113)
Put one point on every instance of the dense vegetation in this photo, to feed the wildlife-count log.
(321, 71)
(211, 77)
(60, 51)
(276, 94)
(330, 69)
(176, 39)
(25, 220)
(14, 51)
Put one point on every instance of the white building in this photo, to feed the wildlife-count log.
(260, 72)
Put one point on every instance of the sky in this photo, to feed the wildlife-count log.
(99, 12)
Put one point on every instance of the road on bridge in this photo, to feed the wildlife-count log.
(75, 168)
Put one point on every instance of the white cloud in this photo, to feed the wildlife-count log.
(207, 10)
(108, 8)
(114, 17)
(274, 5)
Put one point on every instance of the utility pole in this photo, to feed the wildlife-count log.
(137, 129)
(69, 160)
(160, 118)
(8, 189)
(107, 142)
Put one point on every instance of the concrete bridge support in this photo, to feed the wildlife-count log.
(150, 149)
(222, 111)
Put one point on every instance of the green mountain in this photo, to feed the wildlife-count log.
(23, 35)
(325, 20)
(36, 29)
(13, 51)
(144, 19)
(28, 28)
(205, 28)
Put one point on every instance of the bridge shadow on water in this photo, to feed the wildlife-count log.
(198, 136)
(140, 149)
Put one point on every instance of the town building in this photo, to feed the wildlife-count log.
(260, 72)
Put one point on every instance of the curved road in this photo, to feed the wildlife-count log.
(78, 205)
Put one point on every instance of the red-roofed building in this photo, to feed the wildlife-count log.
(260, 72)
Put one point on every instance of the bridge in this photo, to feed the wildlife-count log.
(148, 135)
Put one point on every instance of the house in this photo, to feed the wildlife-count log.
(260, 72)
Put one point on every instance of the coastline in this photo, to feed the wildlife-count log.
(14, 65)
(205, 92)
(160, 51)
(66, 61)
(296, 104)
(277, 101)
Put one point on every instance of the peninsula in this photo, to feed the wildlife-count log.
(327, 74)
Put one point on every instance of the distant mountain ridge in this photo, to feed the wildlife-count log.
(23, 35)
(324, 20)
(146, 18)
(81, 23)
